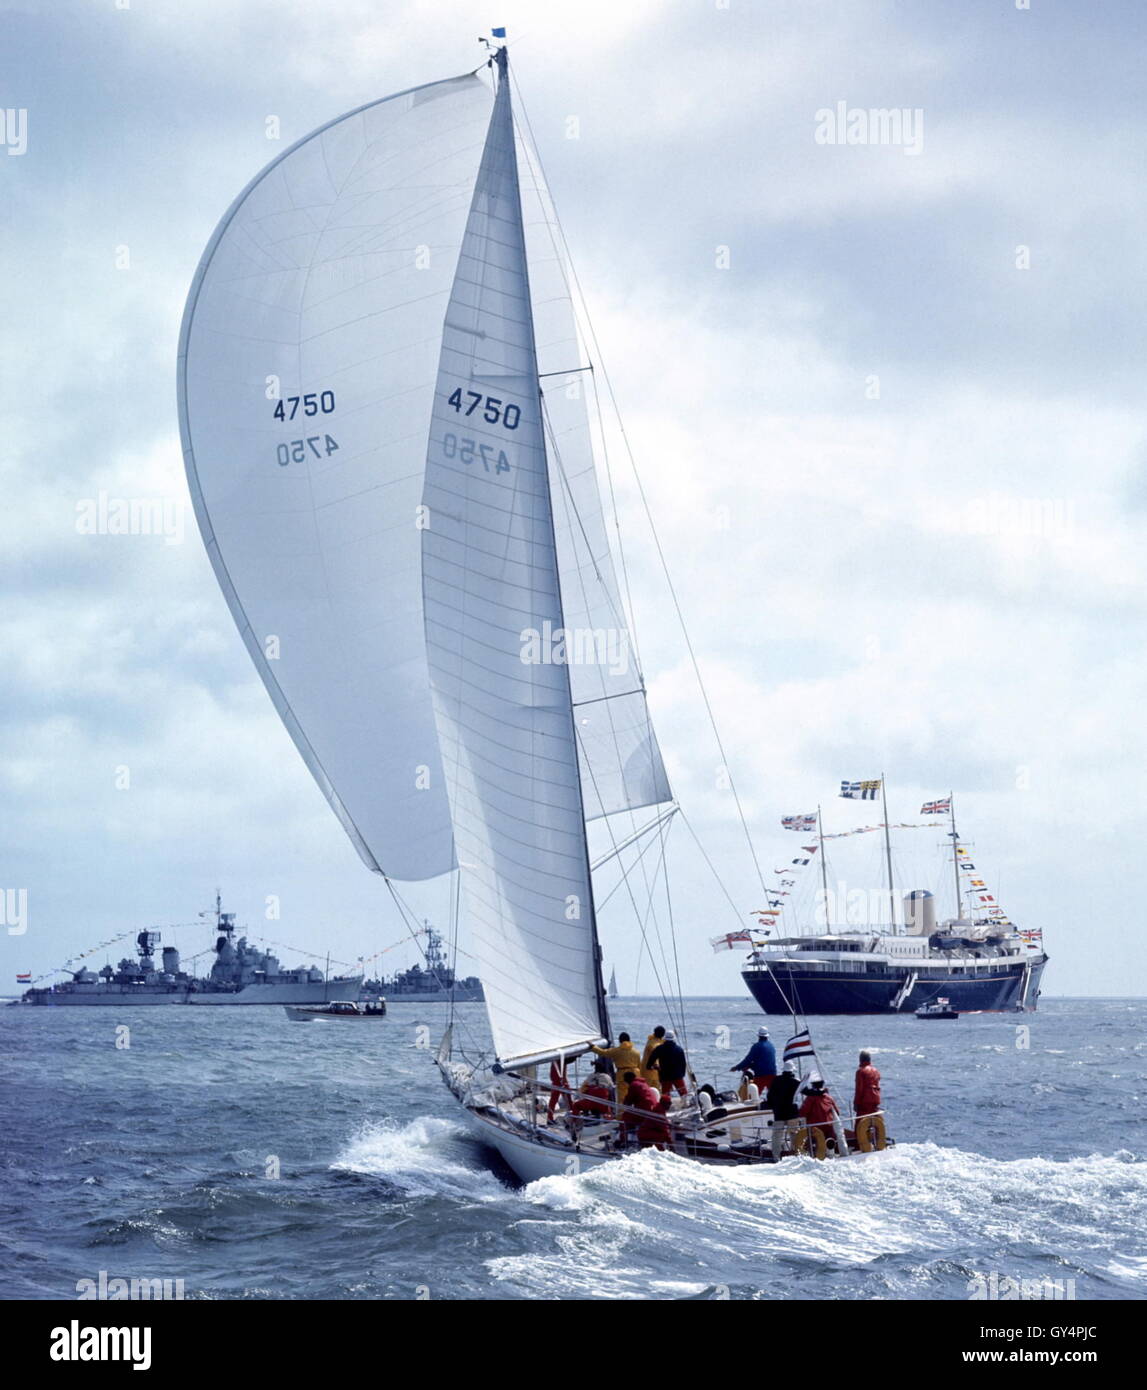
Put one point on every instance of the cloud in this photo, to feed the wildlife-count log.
(941, 582)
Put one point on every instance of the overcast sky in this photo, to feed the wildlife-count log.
(887, 407)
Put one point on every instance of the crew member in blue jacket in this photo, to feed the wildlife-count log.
(760, 1060)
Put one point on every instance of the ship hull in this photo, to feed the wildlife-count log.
(434, 996)
(315, 992)
(119, 997)
(823, 992)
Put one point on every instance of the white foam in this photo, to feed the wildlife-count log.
(416, 1158)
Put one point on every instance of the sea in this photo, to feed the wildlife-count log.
(251, 1157)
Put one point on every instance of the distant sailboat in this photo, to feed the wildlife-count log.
(613, 984)
(406, 524)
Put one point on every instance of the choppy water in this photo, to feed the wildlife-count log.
(151, 1161)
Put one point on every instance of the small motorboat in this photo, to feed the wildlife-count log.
(938, 1008)
(337, 1008)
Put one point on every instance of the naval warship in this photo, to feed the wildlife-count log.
(240, 974)
(434, 983)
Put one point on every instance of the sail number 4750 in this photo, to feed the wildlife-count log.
(494, 411)
(317, 402)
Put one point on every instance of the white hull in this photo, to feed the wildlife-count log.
(531, 1160)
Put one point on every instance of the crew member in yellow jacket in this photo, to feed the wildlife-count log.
(625, 1057)
(651, 1074)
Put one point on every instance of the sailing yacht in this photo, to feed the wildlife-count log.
(384, 411)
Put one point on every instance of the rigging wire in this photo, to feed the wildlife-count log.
(592, 341)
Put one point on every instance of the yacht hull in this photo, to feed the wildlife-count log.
(998, 990)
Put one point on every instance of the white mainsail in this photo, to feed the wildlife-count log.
(505, 715)
(401, 507)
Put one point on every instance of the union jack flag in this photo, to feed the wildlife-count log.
(936, 808)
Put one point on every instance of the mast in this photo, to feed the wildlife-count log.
(955, 856)
(888, 855)
(502, 62)
(823, 868)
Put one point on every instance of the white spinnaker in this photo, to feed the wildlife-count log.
(330, 275)
(490, 572)
(621, 761)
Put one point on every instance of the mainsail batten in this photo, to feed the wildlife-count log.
(491, 584)
(307, 365)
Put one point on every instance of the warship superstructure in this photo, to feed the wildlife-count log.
(433, 983)
(240, 974)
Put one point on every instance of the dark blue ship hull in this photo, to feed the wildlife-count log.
(999, 989)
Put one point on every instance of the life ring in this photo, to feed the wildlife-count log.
(819, 1142)
(870, 1133)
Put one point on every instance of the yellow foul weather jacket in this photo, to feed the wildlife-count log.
(625, 1057)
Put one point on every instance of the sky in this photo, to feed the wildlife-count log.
(885, 400)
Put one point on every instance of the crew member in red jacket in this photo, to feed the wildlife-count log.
(819, 1108)
(597, 1092)
(654, 1131)
(640, 1096)
(866, 1098)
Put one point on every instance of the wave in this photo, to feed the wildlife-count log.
(425, 1157)
(915, 1221)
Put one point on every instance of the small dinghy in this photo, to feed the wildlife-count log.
(337, 1008)
(938, 1008)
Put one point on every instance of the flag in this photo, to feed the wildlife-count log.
(797, 861)
(936, 808)
(733, 941)
(968, 866)
(977, 883)
(960, 850)
(799, 822)
(860, 791)
(767, 912)
(498, 33)
(786, 882)
(775, 902)
(810, 849)
(24, 979)
(798, 1046)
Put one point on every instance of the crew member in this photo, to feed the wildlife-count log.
(597, 1093)
(821, 1112)
(653, 1132)
(761, 1061)
(671, 1063)
(652, 1043)
(625, 1058)
(866, 1097)
(559, 1086)
(640, 1096)
(781, 1100)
